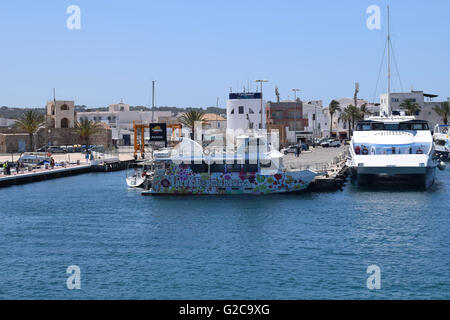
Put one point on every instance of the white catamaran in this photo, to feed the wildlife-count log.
(392, 148)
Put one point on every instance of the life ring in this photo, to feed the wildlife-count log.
(445, 130)
(206, 152)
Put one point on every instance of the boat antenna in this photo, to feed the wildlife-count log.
(389, 63)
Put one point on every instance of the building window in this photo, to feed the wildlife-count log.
(241, 109)
(64, 123)
(64, 107)
(250, 111)
(218, 124)
(122, 108)
(232, 111)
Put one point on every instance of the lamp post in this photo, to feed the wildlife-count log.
(261, 82)
(295, 111)
(153, 100)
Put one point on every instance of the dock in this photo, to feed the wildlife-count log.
(42, 174)
(67, 165)
(330, 163)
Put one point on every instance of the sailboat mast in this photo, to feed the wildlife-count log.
(389, 63)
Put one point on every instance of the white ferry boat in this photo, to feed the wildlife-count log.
(441, 141)
(392, 149)
(189, 169)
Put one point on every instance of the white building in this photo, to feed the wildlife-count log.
(4, 122)
(120, 119)
(244, 111)
(314, 112)
(424, 100)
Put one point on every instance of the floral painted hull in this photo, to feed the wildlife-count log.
(231, 183)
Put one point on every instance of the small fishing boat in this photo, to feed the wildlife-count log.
(136, 177)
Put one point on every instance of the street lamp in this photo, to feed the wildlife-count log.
(261, 82)
(295, 111)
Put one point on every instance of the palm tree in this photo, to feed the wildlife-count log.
(332, 109)
(355, 115)
(86, 128)
(364, 111)
(443, 111)
(411, 108)
(30, 122)
(189, 119)
(345, 117)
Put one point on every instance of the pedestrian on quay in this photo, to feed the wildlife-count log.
(17, 166)
(297, 151)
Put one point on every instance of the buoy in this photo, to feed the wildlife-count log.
(441, 165)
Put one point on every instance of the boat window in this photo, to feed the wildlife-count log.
(199, 168)
(391, 126)
(251, 168)
(366, 127)
(377, 126)
(440, 142)
(216, 167)
(266, 164)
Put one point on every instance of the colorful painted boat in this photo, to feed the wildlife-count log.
(228, 173)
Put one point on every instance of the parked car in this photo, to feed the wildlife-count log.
(331, 143)
(290, 149)
(335, 144)
(53, 149)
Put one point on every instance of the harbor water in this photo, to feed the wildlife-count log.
(291, 246)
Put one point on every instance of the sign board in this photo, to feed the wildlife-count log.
(158, 132)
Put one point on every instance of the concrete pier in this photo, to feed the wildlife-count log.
(42, 174)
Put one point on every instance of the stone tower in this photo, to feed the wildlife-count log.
(61, 115)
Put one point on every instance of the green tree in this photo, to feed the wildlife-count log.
(443, 110)
(86, 128)
(411, 108)
(189, 118)
(346, 117)
(332, 109)
(30, 122)
(364, 111)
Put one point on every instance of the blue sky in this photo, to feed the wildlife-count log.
(197, 50)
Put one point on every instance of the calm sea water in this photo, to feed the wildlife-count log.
(307, 246)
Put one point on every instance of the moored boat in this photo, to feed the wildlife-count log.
(217, 173)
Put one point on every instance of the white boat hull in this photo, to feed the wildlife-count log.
(135, 182)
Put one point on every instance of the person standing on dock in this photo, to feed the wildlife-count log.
(297, 151)
(52, 163)
(17, 166)
(5, 165)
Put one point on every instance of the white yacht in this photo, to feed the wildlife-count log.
(392, 149)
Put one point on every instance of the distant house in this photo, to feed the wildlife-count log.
(6, 123)
(214, 121)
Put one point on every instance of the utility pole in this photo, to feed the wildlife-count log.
(261, 82)
(295, 112)
(153, 100)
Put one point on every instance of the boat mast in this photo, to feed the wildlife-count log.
(389, 64)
